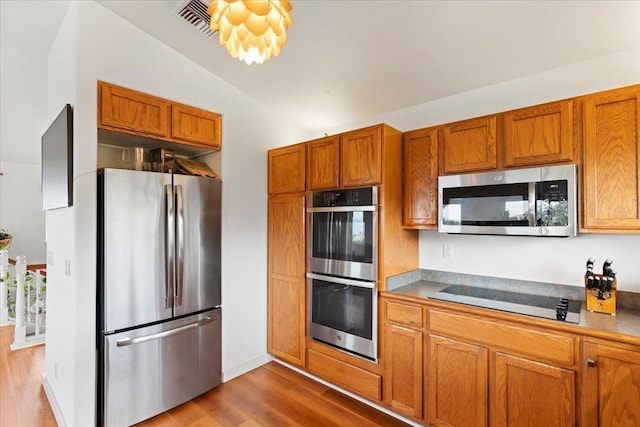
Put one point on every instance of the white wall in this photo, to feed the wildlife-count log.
(527, 258)
(110, 49)
(23, 119)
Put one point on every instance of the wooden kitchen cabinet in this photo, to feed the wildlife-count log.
(287, 169)
(469, 145)
(361, 157)
(134, 112)
(527, 393)
(420, 178)
(539, 135)
(128, 111)
(286, 282)
(195, 126)
(403, 356)
(611, 171)
(457, 375)
(611, 385)
(323, 160)
(508, 374)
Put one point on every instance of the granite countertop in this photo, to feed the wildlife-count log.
(420, 285)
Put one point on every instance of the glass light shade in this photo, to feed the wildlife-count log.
(251, 30)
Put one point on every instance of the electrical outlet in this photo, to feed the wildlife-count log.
(447, 251)
(50, 257)
(55, 370)
(67, 267)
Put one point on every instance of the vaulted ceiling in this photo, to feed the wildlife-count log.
(348, 60)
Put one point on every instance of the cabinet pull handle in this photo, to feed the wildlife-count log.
(591, 363)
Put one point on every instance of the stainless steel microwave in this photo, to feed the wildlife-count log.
(523, 202)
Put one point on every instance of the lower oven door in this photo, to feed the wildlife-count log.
(344, 314)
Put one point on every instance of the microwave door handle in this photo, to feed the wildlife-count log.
(532, 204)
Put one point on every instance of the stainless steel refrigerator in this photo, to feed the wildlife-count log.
(159, 293)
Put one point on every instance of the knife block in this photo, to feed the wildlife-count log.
(596, 304)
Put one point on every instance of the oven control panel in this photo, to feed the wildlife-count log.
(365, 196)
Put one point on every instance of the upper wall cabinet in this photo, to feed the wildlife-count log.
(287, 169)
(469, 145)
(361, 157)
(538, 135)
(323, 159)
(128, 111)
(420, 178)
(611, 190)
(195, 126)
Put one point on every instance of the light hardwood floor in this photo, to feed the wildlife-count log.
(271, 395)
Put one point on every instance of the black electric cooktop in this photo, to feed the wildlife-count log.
(554, 308)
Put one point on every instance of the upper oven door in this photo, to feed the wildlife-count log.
(343, 241)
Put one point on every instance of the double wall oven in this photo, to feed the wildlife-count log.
(343, 269)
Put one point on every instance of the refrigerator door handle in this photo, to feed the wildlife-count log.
(169, 247)
(180, 244)
(131, 341)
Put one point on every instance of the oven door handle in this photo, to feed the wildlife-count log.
(341, 281)
(344, 209)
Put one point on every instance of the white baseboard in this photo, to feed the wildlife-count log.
(252, 364)
(348, 393)
(55, 407)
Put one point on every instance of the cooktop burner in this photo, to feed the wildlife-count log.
(530, 305)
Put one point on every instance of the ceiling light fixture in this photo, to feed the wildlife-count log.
(251, 30)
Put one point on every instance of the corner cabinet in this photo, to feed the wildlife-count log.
(469, 145)
(128, 111)
(286, 282)
(420, 178)
(611, 171)
(611, 385)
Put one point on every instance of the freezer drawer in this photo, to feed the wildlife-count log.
(149, 370)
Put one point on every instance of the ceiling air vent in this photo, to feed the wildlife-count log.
(195, 12)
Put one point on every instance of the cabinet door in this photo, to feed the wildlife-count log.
(287, 169)
(195, 126)
(457, 383)
(612, 160)
(403, 370)
(469, 145)
(528, 393)
(360, 157)
(322, 163)
(420, 169)
(539, 135)
(611, 386)
(131, 111)
(286, 293)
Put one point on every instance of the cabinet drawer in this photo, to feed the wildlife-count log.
(344, 375)
(404, 314)
(544, 345)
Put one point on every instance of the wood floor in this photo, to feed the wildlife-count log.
(271, 395)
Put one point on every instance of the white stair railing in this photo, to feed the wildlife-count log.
(22, 301)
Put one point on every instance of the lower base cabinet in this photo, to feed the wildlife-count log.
(403, 370)
(457, 375)
(531, 394)
(611, 385)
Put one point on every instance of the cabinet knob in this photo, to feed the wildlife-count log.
(591, 363)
